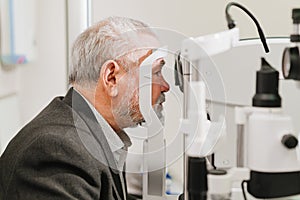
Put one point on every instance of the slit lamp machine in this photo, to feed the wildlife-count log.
(266, 164)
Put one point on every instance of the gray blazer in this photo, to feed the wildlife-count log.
(61, 154)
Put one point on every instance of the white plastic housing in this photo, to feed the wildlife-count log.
(222, 184)
(266, 153)
(211, 44)
(154, 146)
(197, 119)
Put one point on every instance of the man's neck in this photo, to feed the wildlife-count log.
(101, 103)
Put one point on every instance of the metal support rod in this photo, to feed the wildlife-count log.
(195, 74)
(186, 78)
(240, 146)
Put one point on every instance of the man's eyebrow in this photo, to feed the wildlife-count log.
(144, 57)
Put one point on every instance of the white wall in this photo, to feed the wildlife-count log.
(45, 77)
(26, 89)
(9, 119)
(197, 17)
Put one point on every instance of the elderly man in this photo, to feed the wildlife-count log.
(76, 147)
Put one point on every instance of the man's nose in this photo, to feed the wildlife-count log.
(164, 87)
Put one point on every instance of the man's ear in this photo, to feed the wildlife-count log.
(108, 74)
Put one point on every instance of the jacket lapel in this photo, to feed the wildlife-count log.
(79, 105)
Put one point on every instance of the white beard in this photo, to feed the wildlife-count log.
(127, 113)
(124, 112)
(158, 108)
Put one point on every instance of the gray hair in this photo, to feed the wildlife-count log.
(109, 39)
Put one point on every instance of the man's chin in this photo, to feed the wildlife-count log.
(141, 121)
(132, 126)
(135, 123)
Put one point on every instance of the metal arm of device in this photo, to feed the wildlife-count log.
(194, 51)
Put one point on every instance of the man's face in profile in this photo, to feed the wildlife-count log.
(126, 108)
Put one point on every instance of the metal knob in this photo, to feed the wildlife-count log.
(289, 141)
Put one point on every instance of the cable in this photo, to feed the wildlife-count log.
(243, 189)
(231, 22)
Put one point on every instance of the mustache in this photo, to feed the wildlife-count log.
(161, 98)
